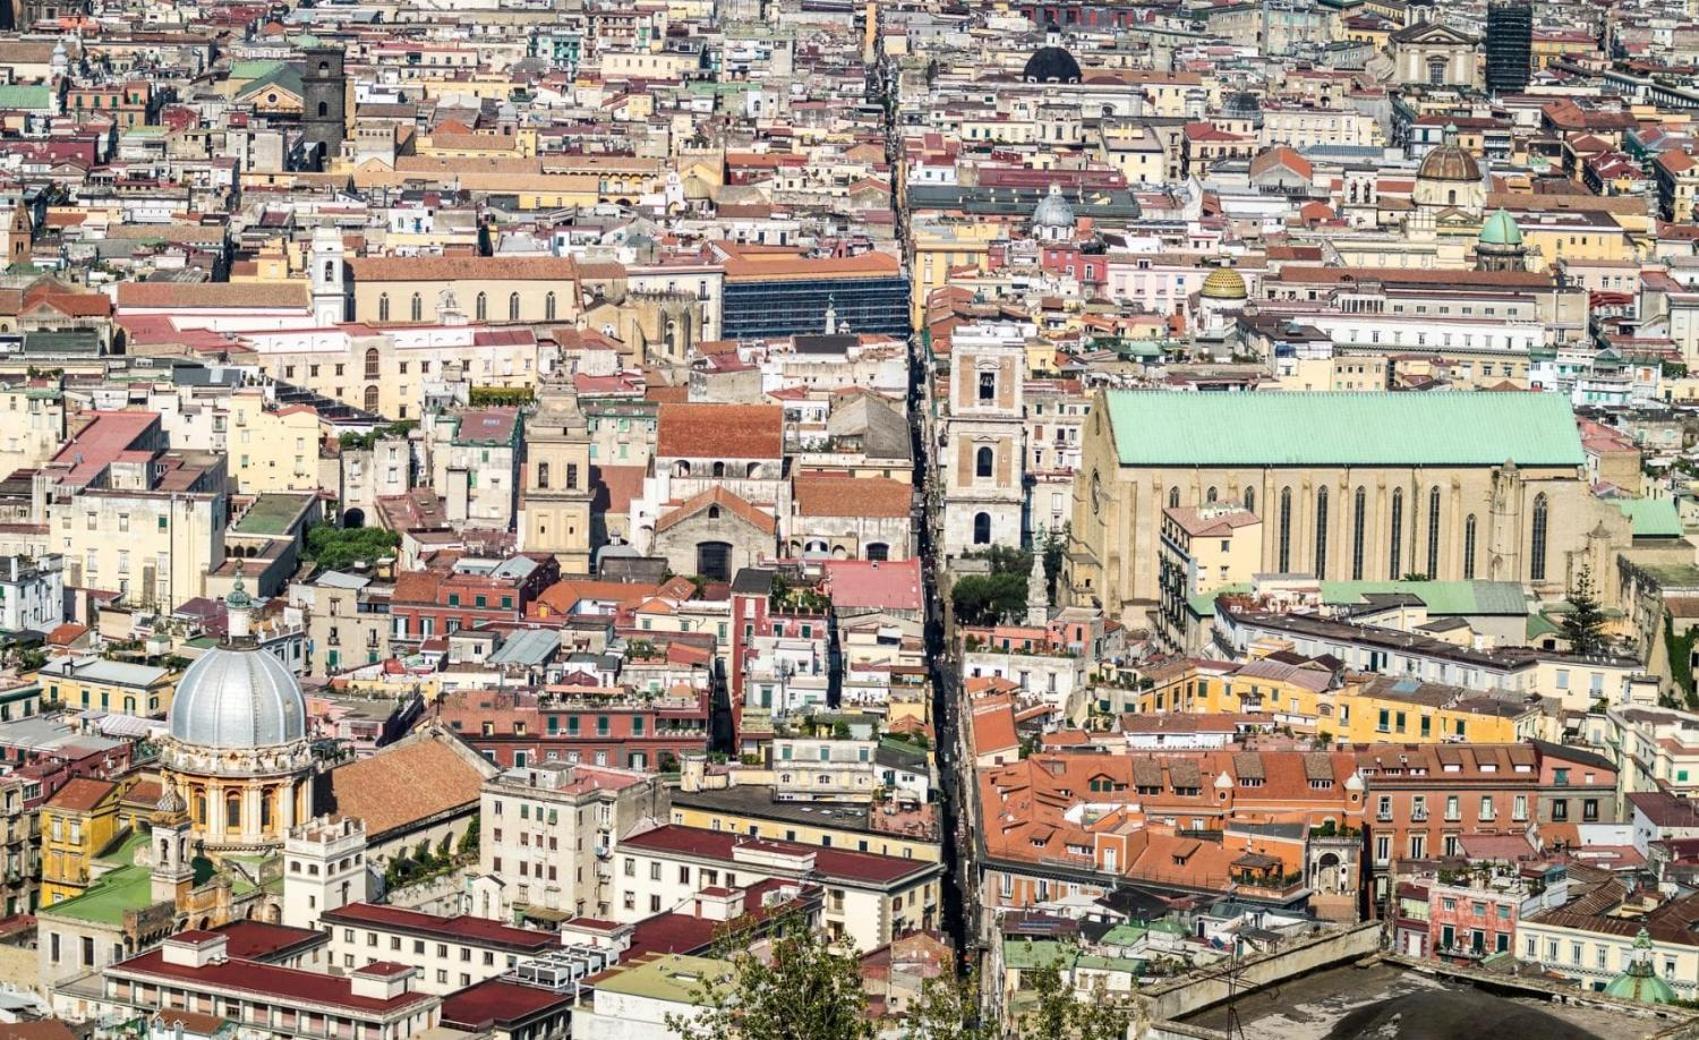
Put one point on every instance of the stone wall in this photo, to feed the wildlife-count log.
(1201, 989)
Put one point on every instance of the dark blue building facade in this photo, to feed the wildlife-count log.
(797, 306)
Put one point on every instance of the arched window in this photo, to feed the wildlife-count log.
(1433, 533)
(330, 270)
(383, 307)
(719, 469)
(982, 528)
(371, 398)
(1537, 544)
(233, 811)
(324, 108)
(417, 308)
(1173, 498)
(372, 371)
(1285, 530)
(1321, 534)
(265, 809)
(1451, 197)
(483, 311)
(512, 306)
(982, 462)
(549, 307)
(1394, 558)
(1469, 547)
(1209, 496)
(1250, 500)
(1359, 528)
(200, 808)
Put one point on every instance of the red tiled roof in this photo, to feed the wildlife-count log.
(832, 494)
(257, 940)
(477, 930)
(406, 782)
(80, 794)
(289, 985)
(892, 585)
(717, 496)
(835, 864)
(722, 431)
(493, 1002)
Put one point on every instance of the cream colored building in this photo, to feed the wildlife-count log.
(555, 495)
(547, 829)
(1349, 487)
(156, 546)
(1217, 543)
(271, 449)
(32, 426)
(391, 373)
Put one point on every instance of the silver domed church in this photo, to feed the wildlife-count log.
(237, 754)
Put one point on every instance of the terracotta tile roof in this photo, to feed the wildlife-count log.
(212, 295)
(422, 776)
(558, 599)
(717, 496)
(721, 431)
(81, 794)
(463, 268)
(831, 494)
(762, 267)
(289, 986)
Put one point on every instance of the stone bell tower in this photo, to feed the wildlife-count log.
(173, 866)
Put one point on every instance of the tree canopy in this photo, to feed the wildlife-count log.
(806, 990)
(339, 548)
(1583, 626)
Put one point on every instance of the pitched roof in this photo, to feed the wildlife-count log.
(184, 295)
(80, 794)
(725, 431)
(1153, 428)
(720, 497)
(422, 776)
(832, 494)
(463, 268)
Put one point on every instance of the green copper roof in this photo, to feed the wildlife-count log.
(16, 97)
(1163, 428)
(1501, 230)
(1651, 517)
(1443, 598)
(127, 888)
(1640, 982)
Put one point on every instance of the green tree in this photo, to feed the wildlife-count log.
(1058, 1011)
(1584, 625)
(469, 841)
(806, 990)
(338, 548)
(948, 1009)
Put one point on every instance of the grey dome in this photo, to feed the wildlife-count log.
(1053, 211)
(233, 699)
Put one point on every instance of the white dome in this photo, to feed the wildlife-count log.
(238, 698)
(1053, 211)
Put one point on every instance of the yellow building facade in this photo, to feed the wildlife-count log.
(77, 823)
(271, 449)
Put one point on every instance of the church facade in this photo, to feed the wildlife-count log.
(1348, 487)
